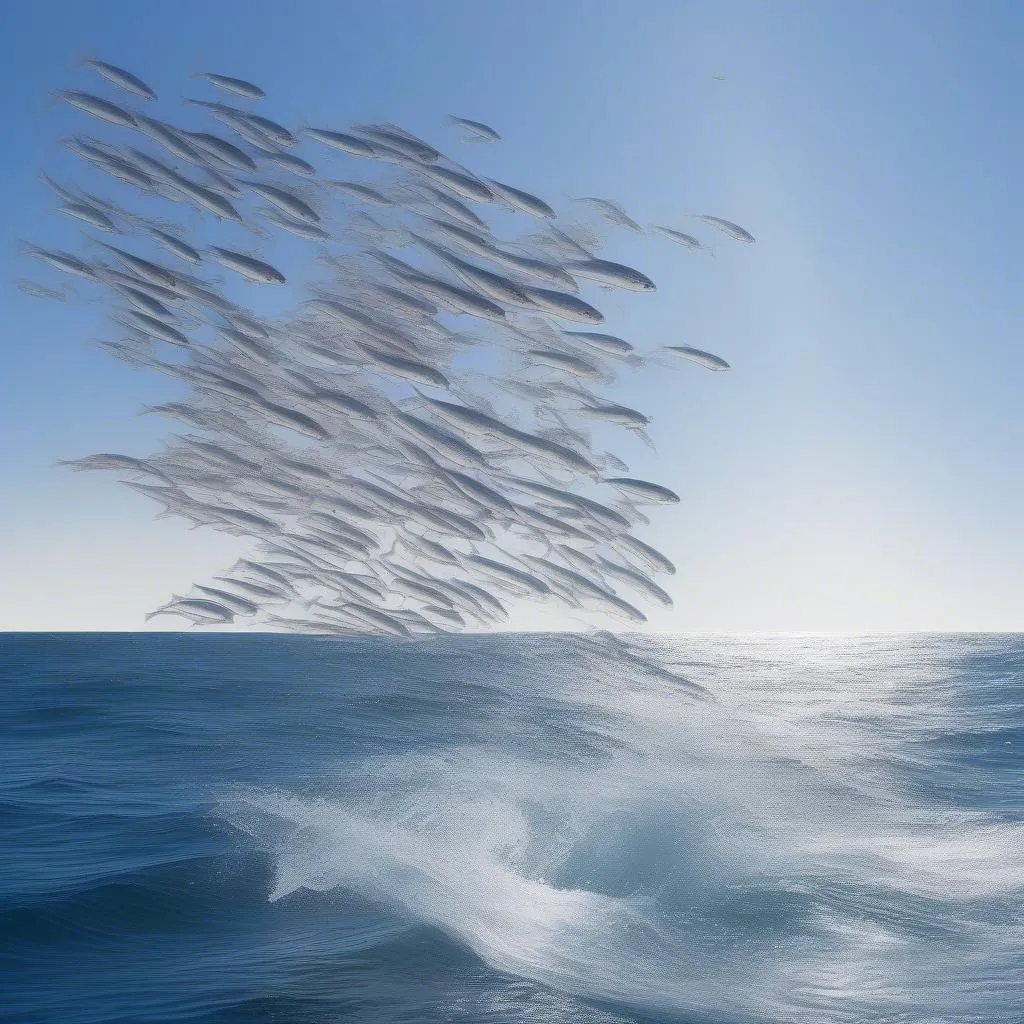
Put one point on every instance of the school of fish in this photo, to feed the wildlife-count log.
(410, 447)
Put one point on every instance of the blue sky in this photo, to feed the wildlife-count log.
(859, 468)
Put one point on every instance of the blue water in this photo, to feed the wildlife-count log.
(241, 828)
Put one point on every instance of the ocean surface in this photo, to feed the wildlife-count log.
(243, 828)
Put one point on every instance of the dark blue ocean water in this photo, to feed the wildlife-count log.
(243, 828)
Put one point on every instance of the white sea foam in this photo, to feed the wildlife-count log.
(765, 856)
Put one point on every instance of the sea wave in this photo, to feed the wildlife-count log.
(775, 852)
(555, 829)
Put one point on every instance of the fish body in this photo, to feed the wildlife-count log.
(603, 342)
(97, 107)
(727, 226)
(565, 361)
(701, 358)
(477, 129)
(288, 161)
(122, 79)
(520, 200)
(564, 306)
(169, 137)
(235, 86)
(222, 150)
(64, 261)
(180, 249)
(678, 236)
(620, 414)
(615, 275)
(341, 141)
(404, 143)
(361, 191)
(235, 603)
(248, 267)
(464, 184)
(90, 215)
(285, 201)
(198, 609)
(643, 490)
(155, 327)
(612, 212)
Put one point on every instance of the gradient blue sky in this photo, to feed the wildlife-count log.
(859, 469)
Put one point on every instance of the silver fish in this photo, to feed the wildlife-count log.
(678, 236)
(236, 86)
(154, 327)
(465, 184)
(93, 217)
(451, 206)
(302, 228)
(732, 230)
(520, 200)
(361, 192)
(643, 490)
(614, 274)
(41, 291)
(565, 361)
(612, 212)
(97, 107)
(172, 139)
(616, 414)
(223, 150)
(286, 201)
(566, 307)
(396, 139)
(637, 580)
(198, 609)
(706, 359)
(176, 245)
(123, 79)
(238, 605)
(65, 261)
(341, 141)
(248, 267)
(477, 129)
(288, 161)
(603, 342)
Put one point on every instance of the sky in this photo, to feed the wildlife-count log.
(858, 469)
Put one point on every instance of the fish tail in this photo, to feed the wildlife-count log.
(53, 97)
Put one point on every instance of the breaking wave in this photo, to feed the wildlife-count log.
(563, 829)
(805, 846)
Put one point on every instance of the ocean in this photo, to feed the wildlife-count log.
(229, 828)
